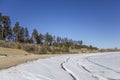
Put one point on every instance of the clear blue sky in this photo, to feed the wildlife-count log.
(96, 22)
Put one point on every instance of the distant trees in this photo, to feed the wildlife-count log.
(18, 33)
(4, 26)
(62, 43)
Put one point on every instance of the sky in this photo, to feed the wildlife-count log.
(96, 22)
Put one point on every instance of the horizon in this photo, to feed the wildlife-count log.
(94, 22)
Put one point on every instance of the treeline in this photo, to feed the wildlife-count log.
(20, 34)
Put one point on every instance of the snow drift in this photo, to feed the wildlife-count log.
(99, 66)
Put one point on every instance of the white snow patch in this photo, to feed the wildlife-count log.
(102, 66)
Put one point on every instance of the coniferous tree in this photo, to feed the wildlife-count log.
(16, 31)
(26, 34)
(9, 35)
(4, 26)
(54, 40)
(80, 42)
(41, 38)
(21, 34)
(0, 25)
(35, 36)
(58, 40)
(48, 39)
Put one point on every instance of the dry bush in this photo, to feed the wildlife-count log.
(2, 43)
(29, 47)
(34, 48)
(14, 45)
(44, 49)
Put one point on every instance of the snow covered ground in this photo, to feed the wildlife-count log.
(98, 66)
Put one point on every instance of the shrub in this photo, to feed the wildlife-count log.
(43, 49)
(29, 47)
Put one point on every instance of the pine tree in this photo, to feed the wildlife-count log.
(35, 36)
(41, 38)
(4, 26)
(26, 34)
(16, 30)
(21, 34)
(48, 39)
(0, 25)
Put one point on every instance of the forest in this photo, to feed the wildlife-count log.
(36, 42)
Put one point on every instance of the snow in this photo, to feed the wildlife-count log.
(2, 56)
(97, 66)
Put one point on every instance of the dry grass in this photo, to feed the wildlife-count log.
(16, 60)
(15, 57)
(11, 52)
